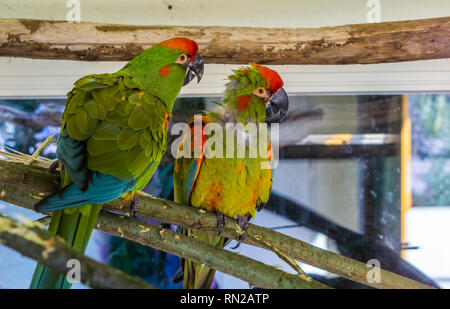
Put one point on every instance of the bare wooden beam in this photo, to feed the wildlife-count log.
(349, 44)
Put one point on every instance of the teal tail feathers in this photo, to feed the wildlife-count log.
(75, 227)
(74, 216)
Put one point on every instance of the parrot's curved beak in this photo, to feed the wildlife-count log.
(196, 68)
(277, 106)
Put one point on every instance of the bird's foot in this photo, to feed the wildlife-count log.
(243, 225)
(134, 206)
(52, 168)
(220, 220)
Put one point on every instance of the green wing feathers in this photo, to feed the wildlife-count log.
(120, 129)
(124, 126)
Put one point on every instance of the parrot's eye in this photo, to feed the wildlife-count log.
(182, 59)
(261, 92)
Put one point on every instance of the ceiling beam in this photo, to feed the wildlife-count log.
(350, 44)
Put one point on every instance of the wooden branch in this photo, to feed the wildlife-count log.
(33, 241)
(259, 274)
(24, 185)
(190, 217)
(350, 244)
(249, 270)
(349, 44)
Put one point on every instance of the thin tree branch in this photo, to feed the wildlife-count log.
(249, 270)
(252, 271)
(23, 185)
(190, 217)
(31, 240)
(285, 258)
(350, 244)
(349, 44)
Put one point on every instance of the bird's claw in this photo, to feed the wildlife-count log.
(243, 225)
(134, 206)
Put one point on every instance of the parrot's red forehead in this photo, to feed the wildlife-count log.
(271, 77)
(182, 44)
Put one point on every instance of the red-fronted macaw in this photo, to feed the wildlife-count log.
(112, 138)
(234, 186)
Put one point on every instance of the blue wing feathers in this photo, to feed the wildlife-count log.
(102, 188)
(88, 187)
(190, 179)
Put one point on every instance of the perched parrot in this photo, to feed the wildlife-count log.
(233, 186)
(112, 138)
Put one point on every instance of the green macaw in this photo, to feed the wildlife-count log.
(112, 138)
(233, 185)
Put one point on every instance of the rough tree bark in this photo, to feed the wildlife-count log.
(22, 191)
(349, 44)
(249, 270)
(24, 185)
(34, 242)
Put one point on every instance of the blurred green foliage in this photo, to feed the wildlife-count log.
(430, 116)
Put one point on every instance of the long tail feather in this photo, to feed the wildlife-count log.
(75, 228)
(197, 276)
(75, 224)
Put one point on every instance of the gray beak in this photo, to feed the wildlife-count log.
(196, 68)
(277, 107)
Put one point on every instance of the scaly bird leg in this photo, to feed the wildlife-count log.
(134, 206)
(220, 220)
(243, 225)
